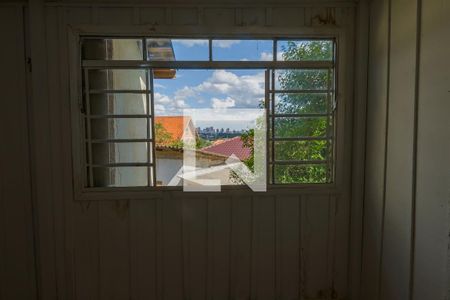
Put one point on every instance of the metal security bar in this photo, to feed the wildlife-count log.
(109, 145)
(127, 64)
(326, 116)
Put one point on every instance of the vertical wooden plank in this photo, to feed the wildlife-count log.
(219, 233)
(143, 248)
(288, 247)
(86, 263)
(41, 159)
(241, 247)
(114, 249)
(359, 140)
(159, 248)
(173, 285)
(17, 266)
(66, 156)
(263, 251)
(55, 117)
(375, 145)
(195, 246)
(431, 261)
(399, 156)
(338, 251)
(315, 226)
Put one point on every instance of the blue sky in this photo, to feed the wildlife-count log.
(213, 88)
(218, 89)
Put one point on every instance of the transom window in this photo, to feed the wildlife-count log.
(134, 91)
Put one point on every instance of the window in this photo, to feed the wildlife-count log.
(135, 89)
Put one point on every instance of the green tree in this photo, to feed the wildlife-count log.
(163, 137)
(301, 103)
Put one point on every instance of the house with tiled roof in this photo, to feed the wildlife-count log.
(228, 147)
(170, 130)
(210, 161)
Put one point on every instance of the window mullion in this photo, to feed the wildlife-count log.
(268, 128)
(329, 119)
(272, 103)
(151, 126)
(87, 120)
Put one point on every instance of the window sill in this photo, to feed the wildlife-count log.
(140, 193)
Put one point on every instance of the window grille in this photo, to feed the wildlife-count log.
(118, 109)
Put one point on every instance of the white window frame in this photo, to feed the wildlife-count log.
(341, 169)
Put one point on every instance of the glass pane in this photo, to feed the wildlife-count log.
(289, 127)
(302, 79)
(109, 153)
(213, 100)
(190, 49)
(112, 49)
(119, 128)
(242, 50)
(177, 49)
(301, 174)
(301, 103)
(304, 50)
(117, 79)
(118, 104)
(120, 176)
(301, 150)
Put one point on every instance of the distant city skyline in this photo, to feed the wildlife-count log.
(212, 129)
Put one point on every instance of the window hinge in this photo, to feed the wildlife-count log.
(29, 64)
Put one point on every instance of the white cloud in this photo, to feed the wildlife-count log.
(216, 43)
(180, 104)
(191, 43)
(246, 90)
(167, 105)
(225, 43)
(248, 115)
(223, 89)
(184, 93)
(160, 86)
(159, 108)
(268, 56)
(162, 99)
(226, 103)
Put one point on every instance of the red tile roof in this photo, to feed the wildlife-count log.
(227, 147)
(174, 125)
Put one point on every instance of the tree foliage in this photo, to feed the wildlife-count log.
(295, 127)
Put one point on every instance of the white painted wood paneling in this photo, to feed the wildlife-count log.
(396, 252)
(406, 204)
(375, 148)
(431, 259)
(285, 246)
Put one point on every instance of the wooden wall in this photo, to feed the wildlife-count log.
(288, 245)
(17, 264)
(407, 170)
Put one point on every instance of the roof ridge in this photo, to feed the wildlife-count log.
(223, 141)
